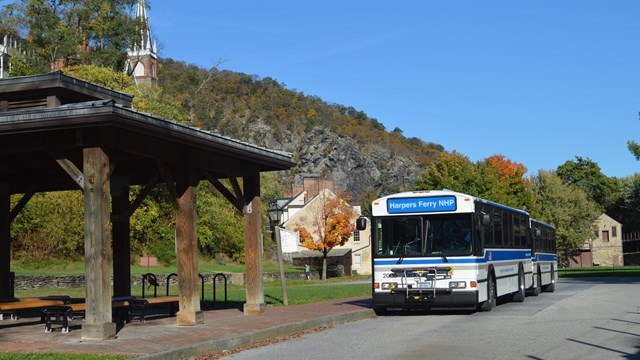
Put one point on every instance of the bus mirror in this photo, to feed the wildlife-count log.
(485, 219)
(361, 223)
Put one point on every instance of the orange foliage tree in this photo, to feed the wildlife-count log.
(504, 182)
(332, 222)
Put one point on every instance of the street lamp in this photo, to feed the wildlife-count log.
(275, 216)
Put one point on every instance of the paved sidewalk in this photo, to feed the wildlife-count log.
(161, 338)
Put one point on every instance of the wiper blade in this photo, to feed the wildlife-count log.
(444, 258)
(400, 260)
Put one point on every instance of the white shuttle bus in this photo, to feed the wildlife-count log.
(448, 249)
(544, 258)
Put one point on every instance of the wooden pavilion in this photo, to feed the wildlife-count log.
(60, 133)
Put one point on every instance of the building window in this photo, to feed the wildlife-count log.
(605, 235)
(357, 259)
(356, 236)
(614, 231)
(595, 234)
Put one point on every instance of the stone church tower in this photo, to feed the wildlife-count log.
(8, 46)
(143, 55)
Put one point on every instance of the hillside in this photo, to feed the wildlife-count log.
(327, 140)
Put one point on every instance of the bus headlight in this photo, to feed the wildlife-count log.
(388, 286)
(457, 284)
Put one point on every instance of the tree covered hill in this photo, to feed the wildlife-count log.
(328, 140)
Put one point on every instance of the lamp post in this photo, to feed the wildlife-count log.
(275, 216)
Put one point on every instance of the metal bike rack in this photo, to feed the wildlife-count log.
(225, 288)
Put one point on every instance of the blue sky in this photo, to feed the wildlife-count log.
(537, 81)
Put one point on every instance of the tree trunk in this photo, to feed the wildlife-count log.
(324, 265)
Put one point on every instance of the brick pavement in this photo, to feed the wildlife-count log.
(161, 338)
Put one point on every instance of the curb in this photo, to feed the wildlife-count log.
(258, 335)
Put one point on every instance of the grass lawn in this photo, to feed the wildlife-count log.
(601, 271)
(61, 267)
(298, 291)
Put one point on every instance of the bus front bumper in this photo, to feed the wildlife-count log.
(425, 298)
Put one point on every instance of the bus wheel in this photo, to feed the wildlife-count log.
(518, 296)
(552, 286)
(490, 303)
(537, 289)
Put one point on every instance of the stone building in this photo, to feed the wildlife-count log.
(605, 247)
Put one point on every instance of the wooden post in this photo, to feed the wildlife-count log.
(189, 313)
(253, 246)
(121, 236)
(5, 242)
(98, 323)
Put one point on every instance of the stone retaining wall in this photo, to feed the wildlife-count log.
(24, 282)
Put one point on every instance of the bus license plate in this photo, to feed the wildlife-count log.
(424, 284)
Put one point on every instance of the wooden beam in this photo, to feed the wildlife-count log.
(23, 201)
(255, 304)
(98, 323)
(168, 180)
(187, 248)
(5, 243)
(237, 202)
(144, 192)
(73, 171)
(236, 188)
(121, 224)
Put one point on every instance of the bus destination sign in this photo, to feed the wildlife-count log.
(421, 204)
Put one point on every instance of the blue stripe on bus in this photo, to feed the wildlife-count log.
(546, 257)
(490, 255)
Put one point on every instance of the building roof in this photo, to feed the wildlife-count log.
(66, 88)
(140, 145)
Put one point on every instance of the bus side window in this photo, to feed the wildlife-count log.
(497, 228)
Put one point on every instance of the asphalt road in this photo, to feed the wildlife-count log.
(583, 319)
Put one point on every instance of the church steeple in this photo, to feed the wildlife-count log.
(143, 55)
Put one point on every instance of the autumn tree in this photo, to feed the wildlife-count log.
(496, 178)
(503, 181)
(331, 223)
(568, 208)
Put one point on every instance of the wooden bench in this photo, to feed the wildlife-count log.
(138, 307)
(28, 303)
(62, 314)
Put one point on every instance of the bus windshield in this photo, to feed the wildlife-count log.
(432, 235)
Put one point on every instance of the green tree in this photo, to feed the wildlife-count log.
(51, 225)
(452, 171)
(634, 148)
(568, 208)
(587, 175)
(103, 76)
(67, 33)
(220, 225)
(630, 208)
